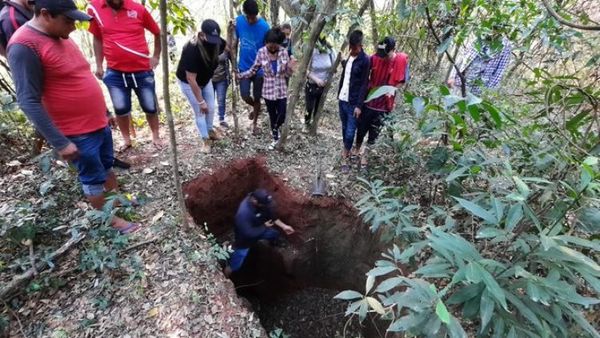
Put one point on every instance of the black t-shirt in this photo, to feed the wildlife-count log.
(191, 61)
(7, 24)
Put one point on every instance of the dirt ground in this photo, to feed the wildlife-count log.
(179, 290)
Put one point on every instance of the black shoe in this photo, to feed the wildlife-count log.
(121, 164)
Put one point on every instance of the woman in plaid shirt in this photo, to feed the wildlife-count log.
(273, 58)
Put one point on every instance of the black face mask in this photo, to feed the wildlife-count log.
(209, 46)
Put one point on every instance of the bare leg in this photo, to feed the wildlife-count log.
(98, 202)
(111, 182)
(123, 122)
(256, 112)
(154, 127)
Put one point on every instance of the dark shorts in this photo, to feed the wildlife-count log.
(256, 82)
(121, 84)
(95, 159)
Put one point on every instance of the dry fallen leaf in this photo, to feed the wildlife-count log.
(148, 171)
(158, 216)
(13, 163)
(153, 312)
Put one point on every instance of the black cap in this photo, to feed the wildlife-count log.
(65, 7)
(262, 196)
(387, 45)
(211, 29)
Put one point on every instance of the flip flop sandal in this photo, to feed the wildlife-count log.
(130, 228)
(121, 164)
(124, 148)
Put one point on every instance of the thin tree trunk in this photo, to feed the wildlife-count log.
(168, 113)
(274, 9)
(329, 84)
(374, 33)
(300, 74)
(234, 82)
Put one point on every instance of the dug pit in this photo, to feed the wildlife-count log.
(331, 250)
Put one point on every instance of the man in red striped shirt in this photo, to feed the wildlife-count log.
(388, 68)
(119, 36)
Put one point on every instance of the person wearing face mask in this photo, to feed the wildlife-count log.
(274, 61)
(119, 37)
(388, 68)
(352, 93)
(197, 65)
(60, 96)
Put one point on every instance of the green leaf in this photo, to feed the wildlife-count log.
(378, 92)
(444, 45)
(381, 270)
(466, 293)
(456, 330)
(418, 104)
(515, 215)
(348, 295)
(494, 113)
(477, 211)
(523, 310)
(375, 305)
(522, 187)
(389, 284)
(486, 309)
(442, 312)
(589, 219)
(575, 122)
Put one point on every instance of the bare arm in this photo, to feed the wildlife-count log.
(191, 80)
(286, 228)
(99, 56)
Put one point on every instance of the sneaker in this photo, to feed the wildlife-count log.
(273, 144)
(224, 124)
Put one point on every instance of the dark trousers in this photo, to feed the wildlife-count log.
(370, 121)
(276, 109)
(313, 95)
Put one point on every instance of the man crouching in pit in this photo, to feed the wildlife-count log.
(254, 221)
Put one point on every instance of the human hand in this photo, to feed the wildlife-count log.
(204, 106)
(293, 64)
(112, 122)
(154, 62)
(99, 72)
(288, 230)
(70, 152)
(357, 112)
(269, 223)
(450, 83)
(320, 83)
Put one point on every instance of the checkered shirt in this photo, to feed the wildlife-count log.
(274, 84)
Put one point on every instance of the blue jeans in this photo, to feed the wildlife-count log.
(257, 83)
(204, 121)
(348, 124)
(221, 92)
(120, 84)
(239, 254)
(95, 159)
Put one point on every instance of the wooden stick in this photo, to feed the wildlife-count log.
(16, 282)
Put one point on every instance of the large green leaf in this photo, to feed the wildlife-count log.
(348, 295)
(378, 92)
(487, 305)
(442, 312)
(477, 211)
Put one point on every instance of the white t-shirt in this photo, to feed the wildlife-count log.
(344, 92)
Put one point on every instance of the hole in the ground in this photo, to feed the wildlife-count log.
(331, 251)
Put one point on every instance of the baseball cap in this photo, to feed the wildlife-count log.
(262, 196)
(211, 29)
(386, 46)
(65, 7)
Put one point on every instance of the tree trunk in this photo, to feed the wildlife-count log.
(329, 84)
(374, 34)
(234, 82)
(168, 113)
(299, 76)
(274, 11)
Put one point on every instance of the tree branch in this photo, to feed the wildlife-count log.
(565, 22)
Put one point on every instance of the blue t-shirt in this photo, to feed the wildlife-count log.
(251, 39)
(250, 223)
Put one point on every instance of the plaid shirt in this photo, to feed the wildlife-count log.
(482, 69)
(274, 84)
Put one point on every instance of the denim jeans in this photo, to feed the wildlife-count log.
(204, 121)
(348, 124)
(370, 121)
(120, 85)
(237, 258)
(221, 92)
(256, 82)
(95, 159)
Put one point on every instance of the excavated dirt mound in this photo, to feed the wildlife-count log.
(331, 249)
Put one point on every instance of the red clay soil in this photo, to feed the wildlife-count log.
(331, 249)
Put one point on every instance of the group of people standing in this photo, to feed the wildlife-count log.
(62, 98)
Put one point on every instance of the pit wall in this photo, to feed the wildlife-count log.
(332, 247)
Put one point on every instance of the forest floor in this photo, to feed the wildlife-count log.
(166, 281)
